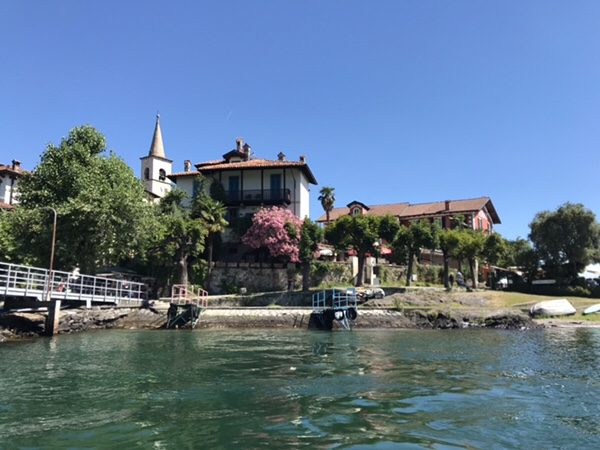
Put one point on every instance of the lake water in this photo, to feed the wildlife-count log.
(265, 388)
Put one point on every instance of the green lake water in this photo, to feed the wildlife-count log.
(267, 388)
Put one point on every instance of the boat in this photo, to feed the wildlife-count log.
(561, 307)
(592, 309)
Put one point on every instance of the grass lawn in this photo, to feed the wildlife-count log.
(525, 301)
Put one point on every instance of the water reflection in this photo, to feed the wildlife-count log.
(467, 388)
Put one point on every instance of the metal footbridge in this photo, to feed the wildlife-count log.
(42, 285)
(338, 303)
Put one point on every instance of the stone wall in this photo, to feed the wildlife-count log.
(229, 278)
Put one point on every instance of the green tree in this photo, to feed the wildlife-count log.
(310, 237)
(360, 233)
(327, 199)
(212, 213)
(449, 243)
(495, 248)
(100, 202)
(567, 239)
(181, 236)
(389, 227)
(471, 248)
(409, 241)
(6, 241)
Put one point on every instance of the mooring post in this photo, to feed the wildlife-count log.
(53, 318)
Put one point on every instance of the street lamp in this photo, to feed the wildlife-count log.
(51, 267)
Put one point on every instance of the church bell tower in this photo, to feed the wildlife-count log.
(156, 166)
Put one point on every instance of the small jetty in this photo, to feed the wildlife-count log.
(186, 306)
(39, 289)
(338, 304)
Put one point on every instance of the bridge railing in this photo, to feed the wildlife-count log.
(337, 298)
(27, 281)
(183, 294)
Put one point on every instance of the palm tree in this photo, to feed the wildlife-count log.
(327, 199)
(212, 214)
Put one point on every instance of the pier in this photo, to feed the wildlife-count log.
(51, 288)
(335, 304)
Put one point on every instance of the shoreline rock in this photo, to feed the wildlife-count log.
(18, 325)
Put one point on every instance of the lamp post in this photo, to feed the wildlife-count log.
(51, 266)
(54, 307)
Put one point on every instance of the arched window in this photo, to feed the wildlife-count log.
(162, 175)
(356, 211)
(147, 173)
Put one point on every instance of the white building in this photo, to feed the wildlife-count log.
(156, 167)
(9, 180)
(250, 183)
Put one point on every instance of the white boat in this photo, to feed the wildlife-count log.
(561, 307)
(592, 309)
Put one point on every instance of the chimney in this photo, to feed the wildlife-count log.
(239, 144)
(447, 205)
(16, 164)
(302, 158)
(187, 165)
(281, 156)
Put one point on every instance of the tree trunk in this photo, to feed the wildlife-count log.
(183, 268)
(327, 216)
(446, 270)
(361, 270)
(210, 254)
(306, 276)
(409, 269)
(473, 268)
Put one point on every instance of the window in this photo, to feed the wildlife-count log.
(162, 175)
(356, 211)
(147, 173)
(234, 188)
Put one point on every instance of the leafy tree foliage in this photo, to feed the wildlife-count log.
(495, 248)
(388, 227)
(179, 236)
(470, 247)
(410, 240)
(449, 242)
(6, 242)
(327, 199)
(310, 237)
(360, 233)
(276, 229)
(212, 213)
(100, 204)
(567, 239)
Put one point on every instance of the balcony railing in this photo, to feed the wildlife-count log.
(258, 197)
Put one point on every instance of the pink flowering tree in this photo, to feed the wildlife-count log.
(277, 230)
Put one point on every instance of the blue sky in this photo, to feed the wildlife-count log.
(389, 100)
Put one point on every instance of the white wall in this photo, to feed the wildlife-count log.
(154, 184)
(6, 187)
(304, 197)
(295, 181)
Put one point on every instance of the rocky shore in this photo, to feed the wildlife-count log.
(18, 325)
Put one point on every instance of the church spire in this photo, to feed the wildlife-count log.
(157, 148)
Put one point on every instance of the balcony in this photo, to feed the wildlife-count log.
(258, 197)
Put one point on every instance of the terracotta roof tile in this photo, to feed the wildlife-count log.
(10, 169)
(191, 173)
(5, 205)
(258, 164)
(411, 211)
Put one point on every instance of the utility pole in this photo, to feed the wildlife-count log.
(54, 306)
